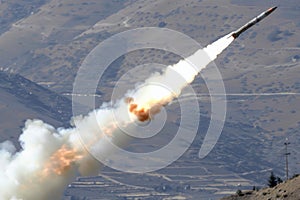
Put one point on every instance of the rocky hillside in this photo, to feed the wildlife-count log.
(289, 190)
(22, 99)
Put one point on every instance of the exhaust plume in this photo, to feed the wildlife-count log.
(51, 158)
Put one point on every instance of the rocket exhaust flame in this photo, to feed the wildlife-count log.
(146, 111)
(61, 161)
(51, 158)
(144, 114)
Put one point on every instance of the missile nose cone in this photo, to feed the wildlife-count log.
(275, 7)
(270, 10)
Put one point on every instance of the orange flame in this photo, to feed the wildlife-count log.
(142, 114)
(61, 161)
(147, 111)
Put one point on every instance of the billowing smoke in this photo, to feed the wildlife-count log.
(51, 158)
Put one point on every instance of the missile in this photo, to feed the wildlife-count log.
(254, 21)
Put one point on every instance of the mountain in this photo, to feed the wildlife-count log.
(289, 190)
(22, 99)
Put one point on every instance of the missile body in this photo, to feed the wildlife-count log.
(254, 21)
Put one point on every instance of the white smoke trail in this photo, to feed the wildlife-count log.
(51, 158)
(161, 89)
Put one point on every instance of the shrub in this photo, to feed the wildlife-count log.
(239, 192)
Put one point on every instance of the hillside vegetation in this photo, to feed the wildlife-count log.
(289, 190)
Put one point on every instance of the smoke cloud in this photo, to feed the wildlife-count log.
(51, 158)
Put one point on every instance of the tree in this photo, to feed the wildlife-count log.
(272, 182)
(279, 180)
